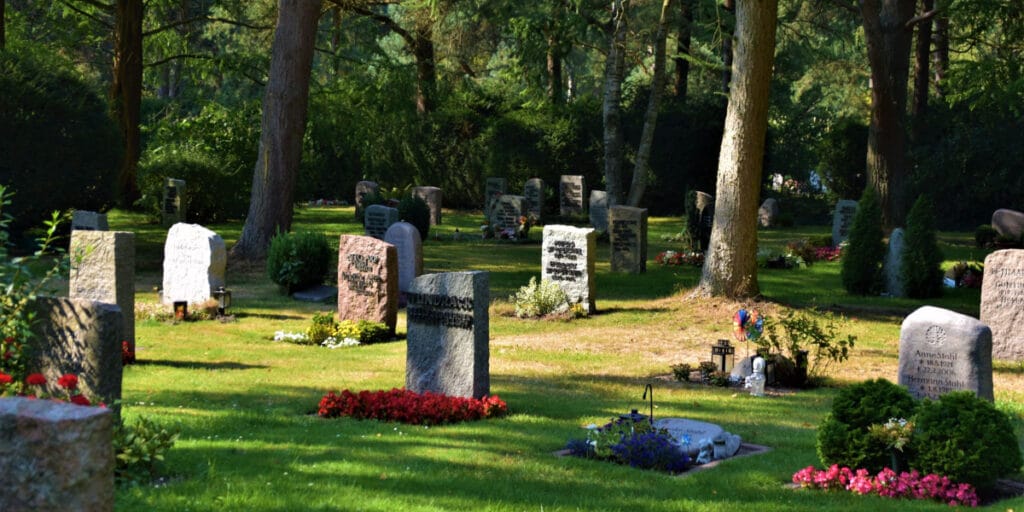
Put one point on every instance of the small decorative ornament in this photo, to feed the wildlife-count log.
(747, 325)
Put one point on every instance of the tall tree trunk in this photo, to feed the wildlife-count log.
(643, 152)
(555, 92)
(284, 121)
(615, 67)
(731, 266)
(922, 77)
(727, 51)
(426, 69)
(888, 41)
(126, 93)
(940, 56)
(683, 33)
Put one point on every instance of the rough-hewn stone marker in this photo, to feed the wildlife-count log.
(628, 230)
(367, 280)
(1009, 223)
(173, 208)
(103, 269)
(432, 196)
(507, 211)
(599, 210)
(194, 263)
(842, 220)
(409, 248)
(570, 195)
(1002, 303)
(55, 456)
(533, 191)
(363, 189)
(494, 188)
(449, 334)
(768, 213)
(567, 258)
(83, 220)
(894, 263)
(943, 351)
(378, 219)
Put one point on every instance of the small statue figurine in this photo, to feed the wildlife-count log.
(756, 381)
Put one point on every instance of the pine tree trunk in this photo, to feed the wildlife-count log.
(922, 56)
(730, 268)
(682, 68)
(426, 70)
(643, 152)
(126, 93)
(612, 106)
(940, 56)
(284, 122)
(554, 71)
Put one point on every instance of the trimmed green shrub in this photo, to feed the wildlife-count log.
(921, 266)
(364, 330)
(844, 436)
(862, 260)
(415, 211)
(298, 260)
(985, 236)
(965, 438)
(324, 326)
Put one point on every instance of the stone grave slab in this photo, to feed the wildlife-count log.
(406, 239)
(173, 208)
(432, 196)
(195, 260)
(598, 208)
(570, 195)
(1002, 303)
(533, 191)
(842, 220)
(103, 269)
(494, 187)
(507, 211)
(697, 430)
(768, 213)
(628, 239)
(367, 280)
(943, 351)
(83, 220)
(363, 189)
(378, 219)
(567, 258)
(449, 334)
(893, 264)
(1009, 223)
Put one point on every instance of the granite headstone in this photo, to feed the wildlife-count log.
(893, 265)
(409, 249)
(598, 209)
(1008, 223)
(494, 187)
(378, 219)
(1002, 303)
(842, 220)
(943, 351)
(628, 239)
(567, 258)
(173, 207)
(768, 213)
(432, 196)
(570, 195)
(507, 212)
(195, 260)
(367, 280)
(83, 220)
(103, 269)
(363, 189)
(533, 191)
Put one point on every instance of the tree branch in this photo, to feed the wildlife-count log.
(93, 17)
(95, 3)
(845, 5)
(165, 60)
(389, 23)
(921, 17)
(204, 18)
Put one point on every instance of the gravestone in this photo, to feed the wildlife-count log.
(599, 210)
(103, 269)
(533, 191)
(363, 189)
(768, 213)
(82, 220)
(567, 258)
(943, 351)
(894, 263)
(194, 263)
(494, 187)
(378, 219)
(570, 195)
(694, 430)
(367, 280)
(842, 220)
(628, 239)
(431, 196)
(705, 204)
(173, 205)
(1009, 223)
(704, 200)
(507, 212)
(449, 334)
(409, 249)
(82, 337)
(1002, 303)
(55, 456)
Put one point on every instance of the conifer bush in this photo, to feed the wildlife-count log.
(862, 259)
(844, 436)
(415, 211)
(921, 264)
(298, 260)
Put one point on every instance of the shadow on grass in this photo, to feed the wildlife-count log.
(267, 316)
(200, 365)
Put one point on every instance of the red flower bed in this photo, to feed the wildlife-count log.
(405, 406)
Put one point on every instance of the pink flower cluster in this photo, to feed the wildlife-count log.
(827, 253)
(406, 406)
(888, 484)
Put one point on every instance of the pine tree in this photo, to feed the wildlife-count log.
(922, 259)
(862, 258)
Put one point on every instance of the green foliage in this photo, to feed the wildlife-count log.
(843, 151)
(985, 236)
(844, 436)
(862, 259)
(415, 211)
(58, 147)
(324, 326)
(298, 260)
(921, 266)
(813, 332)
(681, 372)
(138, 448)
(363, 330)
(537, 300)
(965, 438)
(211, 194)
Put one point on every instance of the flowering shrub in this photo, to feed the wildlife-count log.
(127, 353)
(32, 387)
(537, 300)
(633, 442)
(680, 258)
(888, 484)
(406, 406)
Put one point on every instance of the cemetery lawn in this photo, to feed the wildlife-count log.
(250, 439)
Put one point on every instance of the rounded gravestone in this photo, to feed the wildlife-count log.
(894, 263)
(1009, 223)
(406, 239)
(943, 351)
(768, 214)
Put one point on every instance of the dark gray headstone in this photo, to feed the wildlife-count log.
(628, 239)
(704, 200)
(894, 263)
(363, 189)
(1009, 223)
(81, 337)
(378, 219)
(570, 195)
(842, 220)
(1002, 303)
(406, 239)
(567, 258)
(431, 196)
(449, 331)
(55, 456)
(367, 280)
(943, 351)
(494, 187)
(195, 260)
(768, 213)
(82, 220)
(103, 269)
(507, 212)
(533, 191)
(173, 205)
(599, 210)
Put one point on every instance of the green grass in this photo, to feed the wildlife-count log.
(249, 442)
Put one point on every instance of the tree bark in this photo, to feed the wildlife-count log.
(126, 93)
(922, 56)
(554, 69)
(285, 103)
(643, 152)
(888, 40)
(727, 50)
(940, 56)
(730, 268)
(683, 34)
(614, 70)
(3, 25)
(426, 69)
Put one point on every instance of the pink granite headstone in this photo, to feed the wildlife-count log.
(367, 280)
